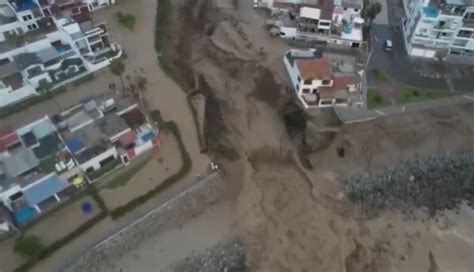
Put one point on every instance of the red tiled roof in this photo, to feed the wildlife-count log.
(81, 17)
(341, 82)
(326, 92)
(314, 68)
(7, 138)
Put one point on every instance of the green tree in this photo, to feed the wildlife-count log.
(117, 67)
(46, 89)
(28, 246)
(371, 11)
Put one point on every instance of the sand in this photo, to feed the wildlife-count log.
(164, 249)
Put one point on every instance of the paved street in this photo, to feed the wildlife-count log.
(417, 72)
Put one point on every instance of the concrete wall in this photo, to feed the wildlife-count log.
(95, 162)
(8, 96)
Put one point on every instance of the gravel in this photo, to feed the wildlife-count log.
(433, 184)
(224, 257)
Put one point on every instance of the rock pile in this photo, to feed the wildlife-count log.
(435, 183)
(224, 257)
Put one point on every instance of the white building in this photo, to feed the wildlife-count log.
(319, 83)
(439, 30)
(59, 49)
(327, 21)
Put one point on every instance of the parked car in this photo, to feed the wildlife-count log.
(388, 45)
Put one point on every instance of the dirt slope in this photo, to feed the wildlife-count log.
(294, 220)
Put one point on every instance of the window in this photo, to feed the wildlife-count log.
(356, 10)
(299, 79)
(326, 82)
(297, 87)
(27, 17)
(306, 91)
(308, 81)
(32, 27)
(326, 102)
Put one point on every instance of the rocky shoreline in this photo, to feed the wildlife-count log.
(227, 256)
(432, 184)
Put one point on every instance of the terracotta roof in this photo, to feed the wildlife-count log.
(7, 138)
(326, 92)
(341, 82)
(81, 18)
(314, 68)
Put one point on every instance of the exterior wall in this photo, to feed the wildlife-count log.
(5, 195)
(95, 162)
(10, 96)
(435, 37)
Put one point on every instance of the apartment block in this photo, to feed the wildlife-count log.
(439, 29)
(325, 21)
(44, 44)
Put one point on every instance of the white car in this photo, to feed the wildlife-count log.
(388, 45)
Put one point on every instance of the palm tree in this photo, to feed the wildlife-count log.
(117, 67)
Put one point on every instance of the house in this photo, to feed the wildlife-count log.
(100, 133)
(36, 170)
(325, 21)
(439, 29)
(320, 83)
(60, 48)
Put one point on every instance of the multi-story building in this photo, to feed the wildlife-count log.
(318, 82)
(325, 21)
(439, 29)
(54, 49)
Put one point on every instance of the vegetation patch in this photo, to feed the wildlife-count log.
(380, 77)
(172, 128)
(126, 19)
(124, 178)
(29, 247)
(376, 100)
(407, 94)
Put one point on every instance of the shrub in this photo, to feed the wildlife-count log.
(28, 246)
(126, 19)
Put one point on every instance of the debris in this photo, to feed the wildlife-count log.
(436, 183)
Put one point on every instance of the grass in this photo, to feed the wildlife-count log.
(126, 19)
(124, 178)
(407, 94)
(380, 77)
(376, 100)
